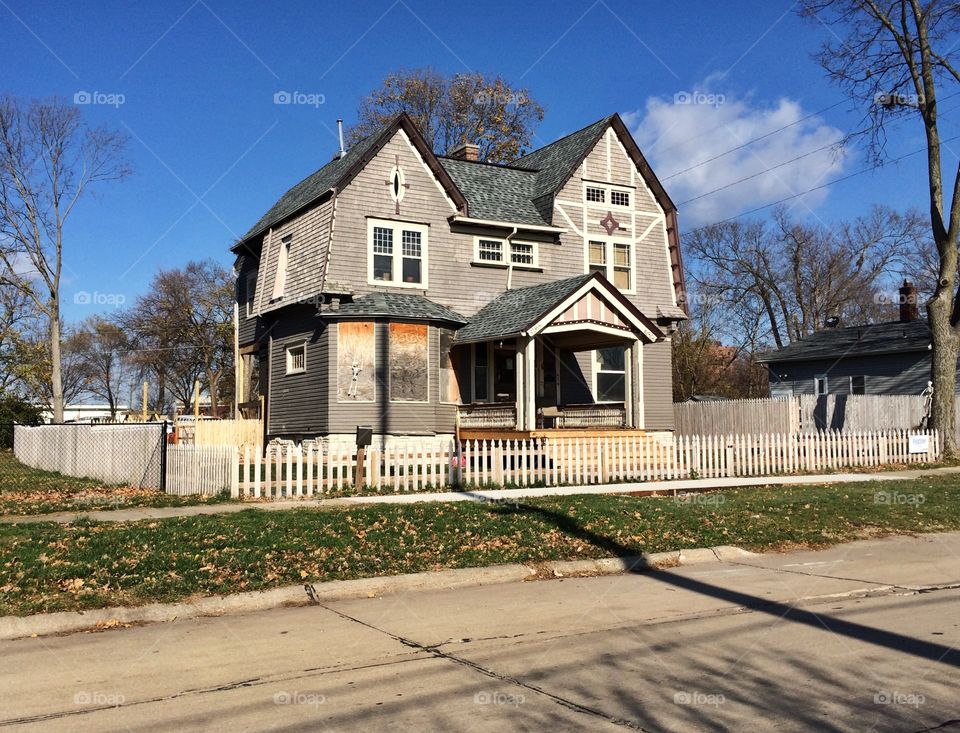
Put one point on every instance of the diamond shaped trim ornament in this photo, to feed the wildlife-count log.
(609, 223)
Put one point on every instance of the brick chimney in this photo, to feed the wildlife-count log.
(467, 151)
(908, 302)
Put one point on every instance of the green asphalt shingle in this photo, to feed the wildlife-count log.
(496, 192)
(513, 311)
(397, 305)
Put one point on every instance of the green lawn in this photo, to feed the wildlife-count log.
(46, 567)
(26, 490)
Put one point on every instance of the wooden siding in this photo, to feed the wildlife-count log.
(246, 326)
(608, 162)
(885, 374)
(298, 402)
(396, 418)
(308, 253)
(657, 386)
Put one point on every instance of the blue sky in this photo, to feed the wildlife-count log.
(212, 151)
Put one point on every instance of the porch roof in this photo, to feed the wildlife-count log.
(516, 312)
(395, 305)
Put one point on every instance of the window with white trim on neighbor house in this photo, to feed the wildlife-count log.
(397, 253)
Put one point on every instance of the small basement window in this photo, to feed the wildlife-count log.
(297, 358)
(858, 385)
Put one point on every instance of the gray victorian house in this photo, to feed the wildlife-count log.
(427, 295)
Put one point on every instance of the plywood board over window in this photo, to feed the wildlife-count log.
(356, 360)
(449, 387)
(409, 362)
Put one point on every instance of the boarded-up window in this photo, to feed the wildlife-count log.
(356, 349)
(409, 362)
(449, 388)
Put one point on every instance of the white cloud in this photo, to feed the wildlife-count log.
(675, 135)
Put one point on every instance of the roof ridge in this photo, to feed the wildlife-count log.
(608, 118)
(508, 166)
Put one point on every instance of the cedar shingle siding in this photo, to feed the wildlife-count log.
(329, 257)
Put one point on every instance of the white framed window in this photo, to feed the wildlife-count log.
(523, 254)
(489, 250)
(609, 384)
(601, 193)
(297, 358)
(820, 385)
(397, 254)
(283, 257)
(596, 194)
(614, 260)
(250, 291)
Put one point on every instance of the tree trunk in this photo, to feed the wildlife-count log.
(56, 366)
(943, 363)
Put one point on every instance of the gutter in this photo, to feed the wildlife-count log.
(516, 226)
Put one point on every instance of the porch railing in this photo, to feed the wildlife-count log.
(488, 416)
(584, 416)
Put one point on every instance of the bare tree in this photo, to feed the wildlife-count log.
(15, 317)
(793, 276)
(48, 159)
(182, 329)
(895, 57)
(104, 347)
(450, 111)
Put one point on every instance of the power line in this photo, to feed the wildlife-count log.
(821, 186)
(764, 136)
(714, 129)
(763, 172)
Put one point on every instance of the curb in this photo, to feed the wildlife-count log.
(63, 622)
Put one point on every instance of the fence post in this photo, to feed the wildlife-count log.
(163, 457)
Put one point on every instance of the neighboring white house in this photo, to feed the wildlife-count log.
(87, 413)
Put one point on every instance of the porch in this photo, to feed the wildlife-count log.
(562, 357)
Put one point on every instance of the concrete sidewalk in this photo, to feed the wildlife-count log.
(855, 638)
(493, 495)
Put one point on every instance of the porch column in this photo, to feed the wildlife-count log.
(634, 378)
(526, 383)
(530, 377)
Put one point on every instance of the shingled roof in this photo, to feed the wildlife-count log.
(398, 305)
(892, 337)
(513, 311)
(500, 193)
(312, 187)
(556, 161)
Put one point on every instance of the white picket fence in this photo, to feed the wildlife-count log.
(201, 469)
(292, 471)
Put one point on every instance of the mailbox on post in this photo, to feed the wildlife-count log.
(364, 441)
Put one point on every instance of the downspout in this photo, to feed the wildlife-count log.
(509, 257)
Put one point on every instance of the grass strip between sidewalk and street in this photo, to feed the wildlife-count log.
(47, 567)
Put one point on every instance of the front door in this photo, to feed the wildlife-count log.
(504, 374)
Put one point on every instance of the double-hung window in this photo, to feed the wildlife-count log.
(610, 371)
(250, 292)
(397, 253)
(613, 260)
(505, 252)
(605, 193)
